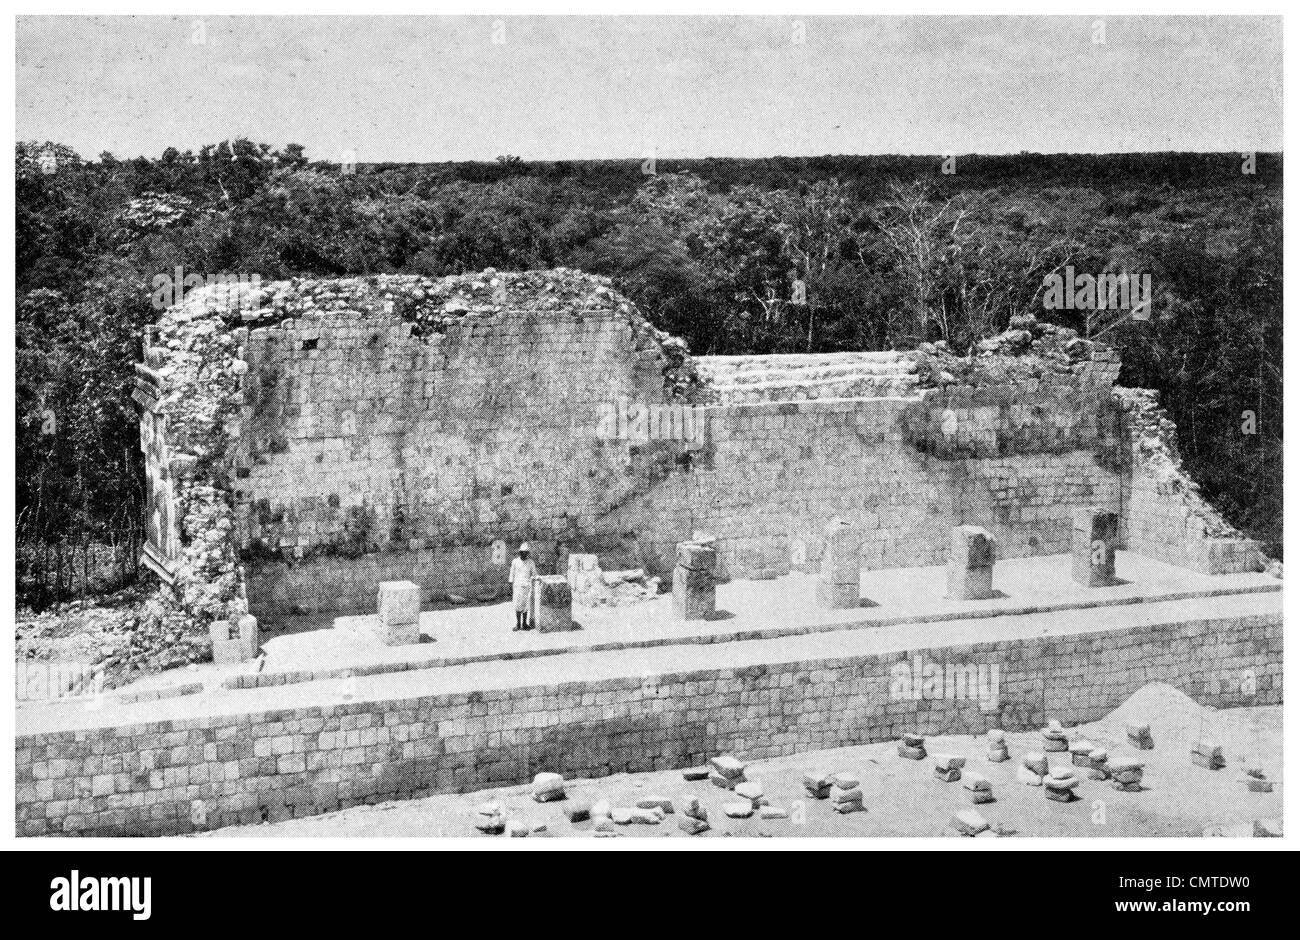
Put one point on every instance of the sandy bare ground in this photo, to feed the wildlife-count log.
(902, 798)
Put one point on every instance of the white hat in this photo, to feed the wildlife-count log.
(523, 547)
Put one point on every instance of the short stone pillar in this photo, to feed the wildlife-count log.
(552, 603)
(838, 585)
(399, 612)
(250, 637)
(970, 566)
(225, 651)
(1092, 547)
(694, 590)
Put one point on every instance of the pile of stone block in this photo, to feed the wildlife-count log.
(1126, 774)
(726, 772)
(1059, 784)
(846, 793)
(1055, 739)
(589, 586)
(1256, 780)
(947, 767)
(751, 790)
(490, 818)
(1139, 735)
(1208, 754)
(1092, 758)
(1032, 770)
(399, 613)
(235, 643)
(978, 786)
(970, 564)
(817, 784)
(838, 584)
(911, 746)
(997, 746)
(694, 589)
(694, 818)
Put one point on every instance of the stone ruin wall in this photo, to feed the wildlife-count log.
(410, 428)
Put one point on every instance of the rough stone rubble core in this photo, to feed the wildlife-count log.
(308, 440)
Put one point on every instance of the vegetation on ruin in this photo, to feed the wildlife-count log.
(890, 253)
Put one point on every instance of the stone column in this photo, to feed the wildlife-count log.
(552, 603)
(1092, 547)
(399, 612)
(694, 591)
(250, 637)
(225, 651)
(970, 566)
(838, 585)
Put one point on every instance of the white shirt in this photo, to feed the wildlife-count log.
(522, 572)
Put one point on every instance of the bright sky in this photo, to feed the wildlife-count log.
(546, 88)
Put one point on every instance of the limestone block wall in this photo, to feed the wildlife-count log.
(367, 453)
(404, 428)
(1164, 516)
(770, 476)
(167, 777)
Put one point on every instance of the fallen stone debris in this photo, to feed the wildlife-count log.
(947, 767)
(488, 818)
(997, 746)
(1256, 781)
(694, 817)
(726, 771)
(912, 747)
(846, 793)
(1208, 754)
(817, 784)
(969, 822)
(1033, 769)
(548, 787)
(1126, 774)
(978, 787)
(1139, 735)
(1055, 740)
(1059, 784)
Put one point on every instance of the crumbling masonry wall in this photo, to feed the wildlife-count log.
(323, 436)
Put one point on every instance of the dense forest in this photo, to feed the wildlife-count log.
(736, 256)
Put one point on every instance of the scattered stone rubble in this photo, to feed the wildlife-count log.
(592, 587)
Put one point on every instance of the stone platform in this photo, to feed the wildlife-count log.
(746, 610)
(238, 756)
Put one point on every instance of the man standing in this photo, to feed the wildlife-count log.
(522, 572)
